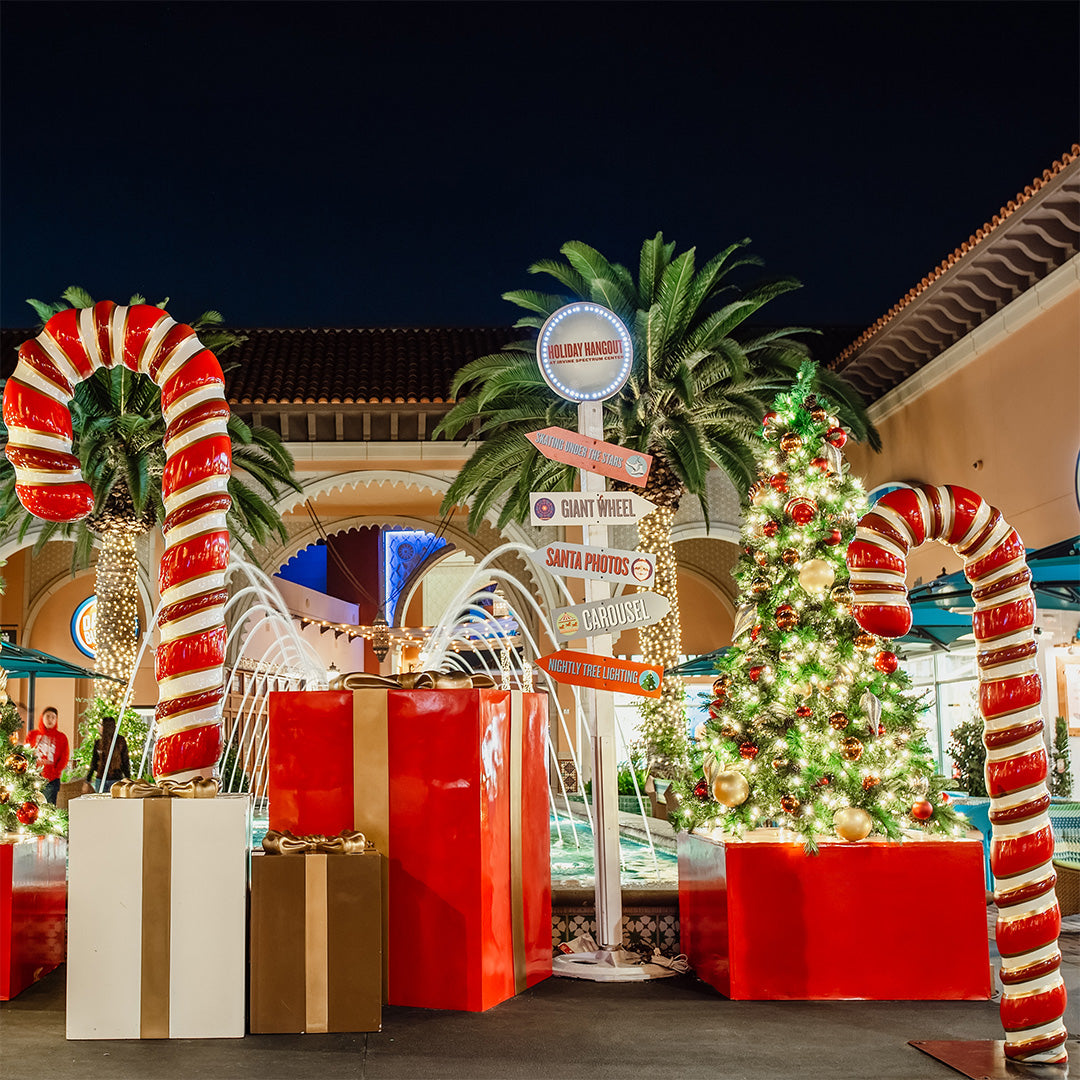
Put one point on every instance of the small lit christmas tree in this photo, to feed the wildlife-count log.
(23, 809)
(813, 727)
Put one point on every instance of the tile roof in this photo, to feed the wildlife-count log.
(1045, 246)
(338, 366)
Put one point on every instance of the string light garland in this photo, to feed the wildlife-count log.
(116, 618)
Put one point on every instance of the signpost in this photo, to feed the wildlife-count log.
(603, 672)
(592, 454)
(573, 508)
(597, 564)
(585, 355)
(612, 616)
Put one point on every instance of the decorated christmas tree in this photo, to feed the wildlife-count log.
(813, 727)
(23, 808)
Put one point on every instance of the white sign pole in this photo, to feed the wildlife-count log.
(605, 781)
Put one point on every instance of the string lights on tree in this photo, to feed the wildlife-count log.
(812, 726)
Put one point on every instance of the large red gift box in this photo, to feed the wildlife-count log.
(451, 785)
(878, 920)
(33, 910)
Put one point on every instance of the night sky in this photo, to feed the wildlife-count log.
(377, 164)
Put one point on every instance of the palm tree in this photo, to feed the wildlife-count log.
(701, 382)
(119, 439)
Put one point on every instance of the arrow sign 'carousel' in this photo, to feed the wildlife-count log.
(610, 616)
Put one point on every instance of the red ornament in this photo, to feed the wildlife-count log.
(761, 559)
(755, 672)
(822, 465)
(801, 510)
(769, 418)
(922, 810)
(836, 437)
(701, 789)
(771, 528)
(825, 781)
(881, 729)
(945, 797)
(27, 813)
(833, 537)
(779, 482)
(768, 426)
(804, 712)
(786, 616)
(870, 781)
(715, 708)
(755, 632)
(886, 662)
(748, 751)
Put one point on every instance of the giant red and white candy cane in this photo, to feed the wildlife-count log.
(1022, 844)
(198, 462)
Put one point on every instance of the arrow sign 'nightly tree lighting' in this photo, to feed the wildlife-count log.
(603, 672)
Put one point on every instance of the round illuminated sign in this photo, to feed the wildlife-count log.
(584, 352)
(82, 627)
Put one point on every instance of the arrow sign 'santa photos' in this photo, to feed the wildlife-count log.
(603, 672)
(610, 616)
(594, 508)
(592, 455)
(601, 564)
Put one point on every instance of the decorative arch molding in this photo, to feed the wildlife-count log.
(49, 590)
(717, 530)
(462, 540)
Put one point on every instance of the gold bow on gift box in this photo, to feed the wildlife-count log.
(197, 788)
(414, 680)
(347, 842)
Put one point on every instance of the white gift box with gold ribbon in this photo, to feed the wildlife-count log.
(157, 895)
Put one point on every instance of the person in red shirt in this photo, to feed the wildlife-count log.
(51, 746)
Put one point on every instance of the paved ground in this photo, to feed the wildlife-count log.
(562, 1029)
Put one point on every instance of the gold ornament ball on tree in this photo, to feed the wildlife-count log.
(4, 795)
(789, 557)
(16, 763)
(816, 575)
(790, 442)
(731, 789)
(843, 598)
(789, 804)
(819, 415)
(786, 617)
(852, 823)
(865, 641)
(838, 721)
(852, 749)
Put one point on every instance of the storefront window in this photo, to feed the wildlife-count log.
(950, 681)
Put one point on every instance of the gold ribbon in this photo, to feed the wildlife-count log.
(316, 943)
(414, 680)
(156, 934)
(196, 788)
(347, 842)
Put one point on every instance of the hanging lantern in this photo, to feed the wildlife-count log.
(380, 637)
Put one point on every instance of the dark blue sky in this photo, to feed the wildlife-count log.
(402, 164)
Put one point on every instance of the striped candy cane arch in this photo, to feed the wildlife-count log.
(198, 463)
(1022, 844)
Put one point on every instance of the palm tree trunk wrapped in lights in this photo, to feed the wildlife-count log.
(117, 610)
(700, 383)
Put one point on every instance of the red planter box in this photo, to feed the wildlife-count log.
(33, 910)
(875, 920)
(456, 797)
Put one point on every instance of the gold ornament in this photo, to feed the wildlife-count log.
(759, 586)
(790, 442)
(865, 641)
(838, 721)
(852, 823)
(816, 575)
(728, 730)
(731, 788)
(786, 617)
(4, 795)
(851, 750)
(789, 556)
(789, 804)
(843, 598)
(16, 763)
(819, 415)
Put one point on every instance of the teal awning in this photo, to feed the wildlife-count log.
(22, 663)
